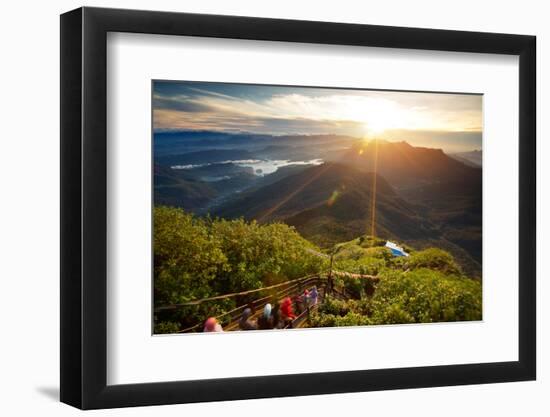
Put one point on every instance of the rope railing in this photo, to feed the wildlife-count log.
(354, 275)
(299, 282)
(264, 300)
(307, 284)
(235, 294)
(318, 254)
(248, 292)
(290, 285)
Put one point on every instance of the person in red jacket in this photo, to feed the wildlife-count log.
(287, 311)
(212, 325)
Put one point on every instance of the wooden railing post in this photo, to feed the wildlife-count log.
(330, 279)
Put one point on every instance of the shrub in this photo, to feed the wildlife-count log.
(196, 258)
(322, 320)
(334, 307)
(262, 254)
(352, 319)
(433, 258)
(350, 251)
(370, 241)
(187, 258)
(418, 296)
(426, 296)
(350, 313)
(378, 252)
(366, 265)
(392, 314)
(164, 327)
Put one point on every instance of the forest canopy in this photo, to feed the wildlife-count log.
(199, 257)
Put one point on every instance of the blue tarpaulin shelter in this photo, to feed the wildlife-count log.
(396, 250)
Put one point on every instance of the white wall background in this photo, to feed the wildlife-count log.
(29, 226)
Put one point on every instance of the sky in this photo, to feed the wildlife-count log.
(452, 122)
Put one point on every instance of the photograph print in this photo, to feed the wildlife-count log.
(291, 207)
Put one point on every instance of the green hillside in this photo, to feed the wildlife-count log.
(428, 286)
(331, 203)
(174, 189)
(198, 257)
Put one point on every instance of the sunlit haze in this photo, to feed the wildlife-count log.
(452, 122)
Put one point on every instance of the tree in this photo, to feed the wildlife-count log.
(196, 258)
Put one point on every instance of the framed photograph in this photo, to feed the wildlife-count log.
(258, 208)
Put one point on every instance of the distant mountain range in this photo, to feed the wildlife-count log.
(331, 203)
(472, 158)
(405, 165)
(423, 196)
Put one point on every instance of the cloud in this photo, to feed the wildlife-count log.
(288, 110)
(182, 104)
(448, 141)
(167, 119)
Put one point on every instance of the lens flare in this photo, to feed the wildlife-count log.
(373, 199)
(333, 197)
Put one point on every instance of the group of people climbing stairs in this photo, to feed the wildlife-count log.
(280, 306)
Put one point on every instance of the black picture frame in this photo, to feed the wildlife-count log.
(84, 207)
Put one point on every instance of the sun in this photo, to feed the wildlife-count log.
(375, 127)
(380, 119)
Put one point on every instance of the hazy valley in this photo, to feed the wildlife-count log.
(323, 185)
